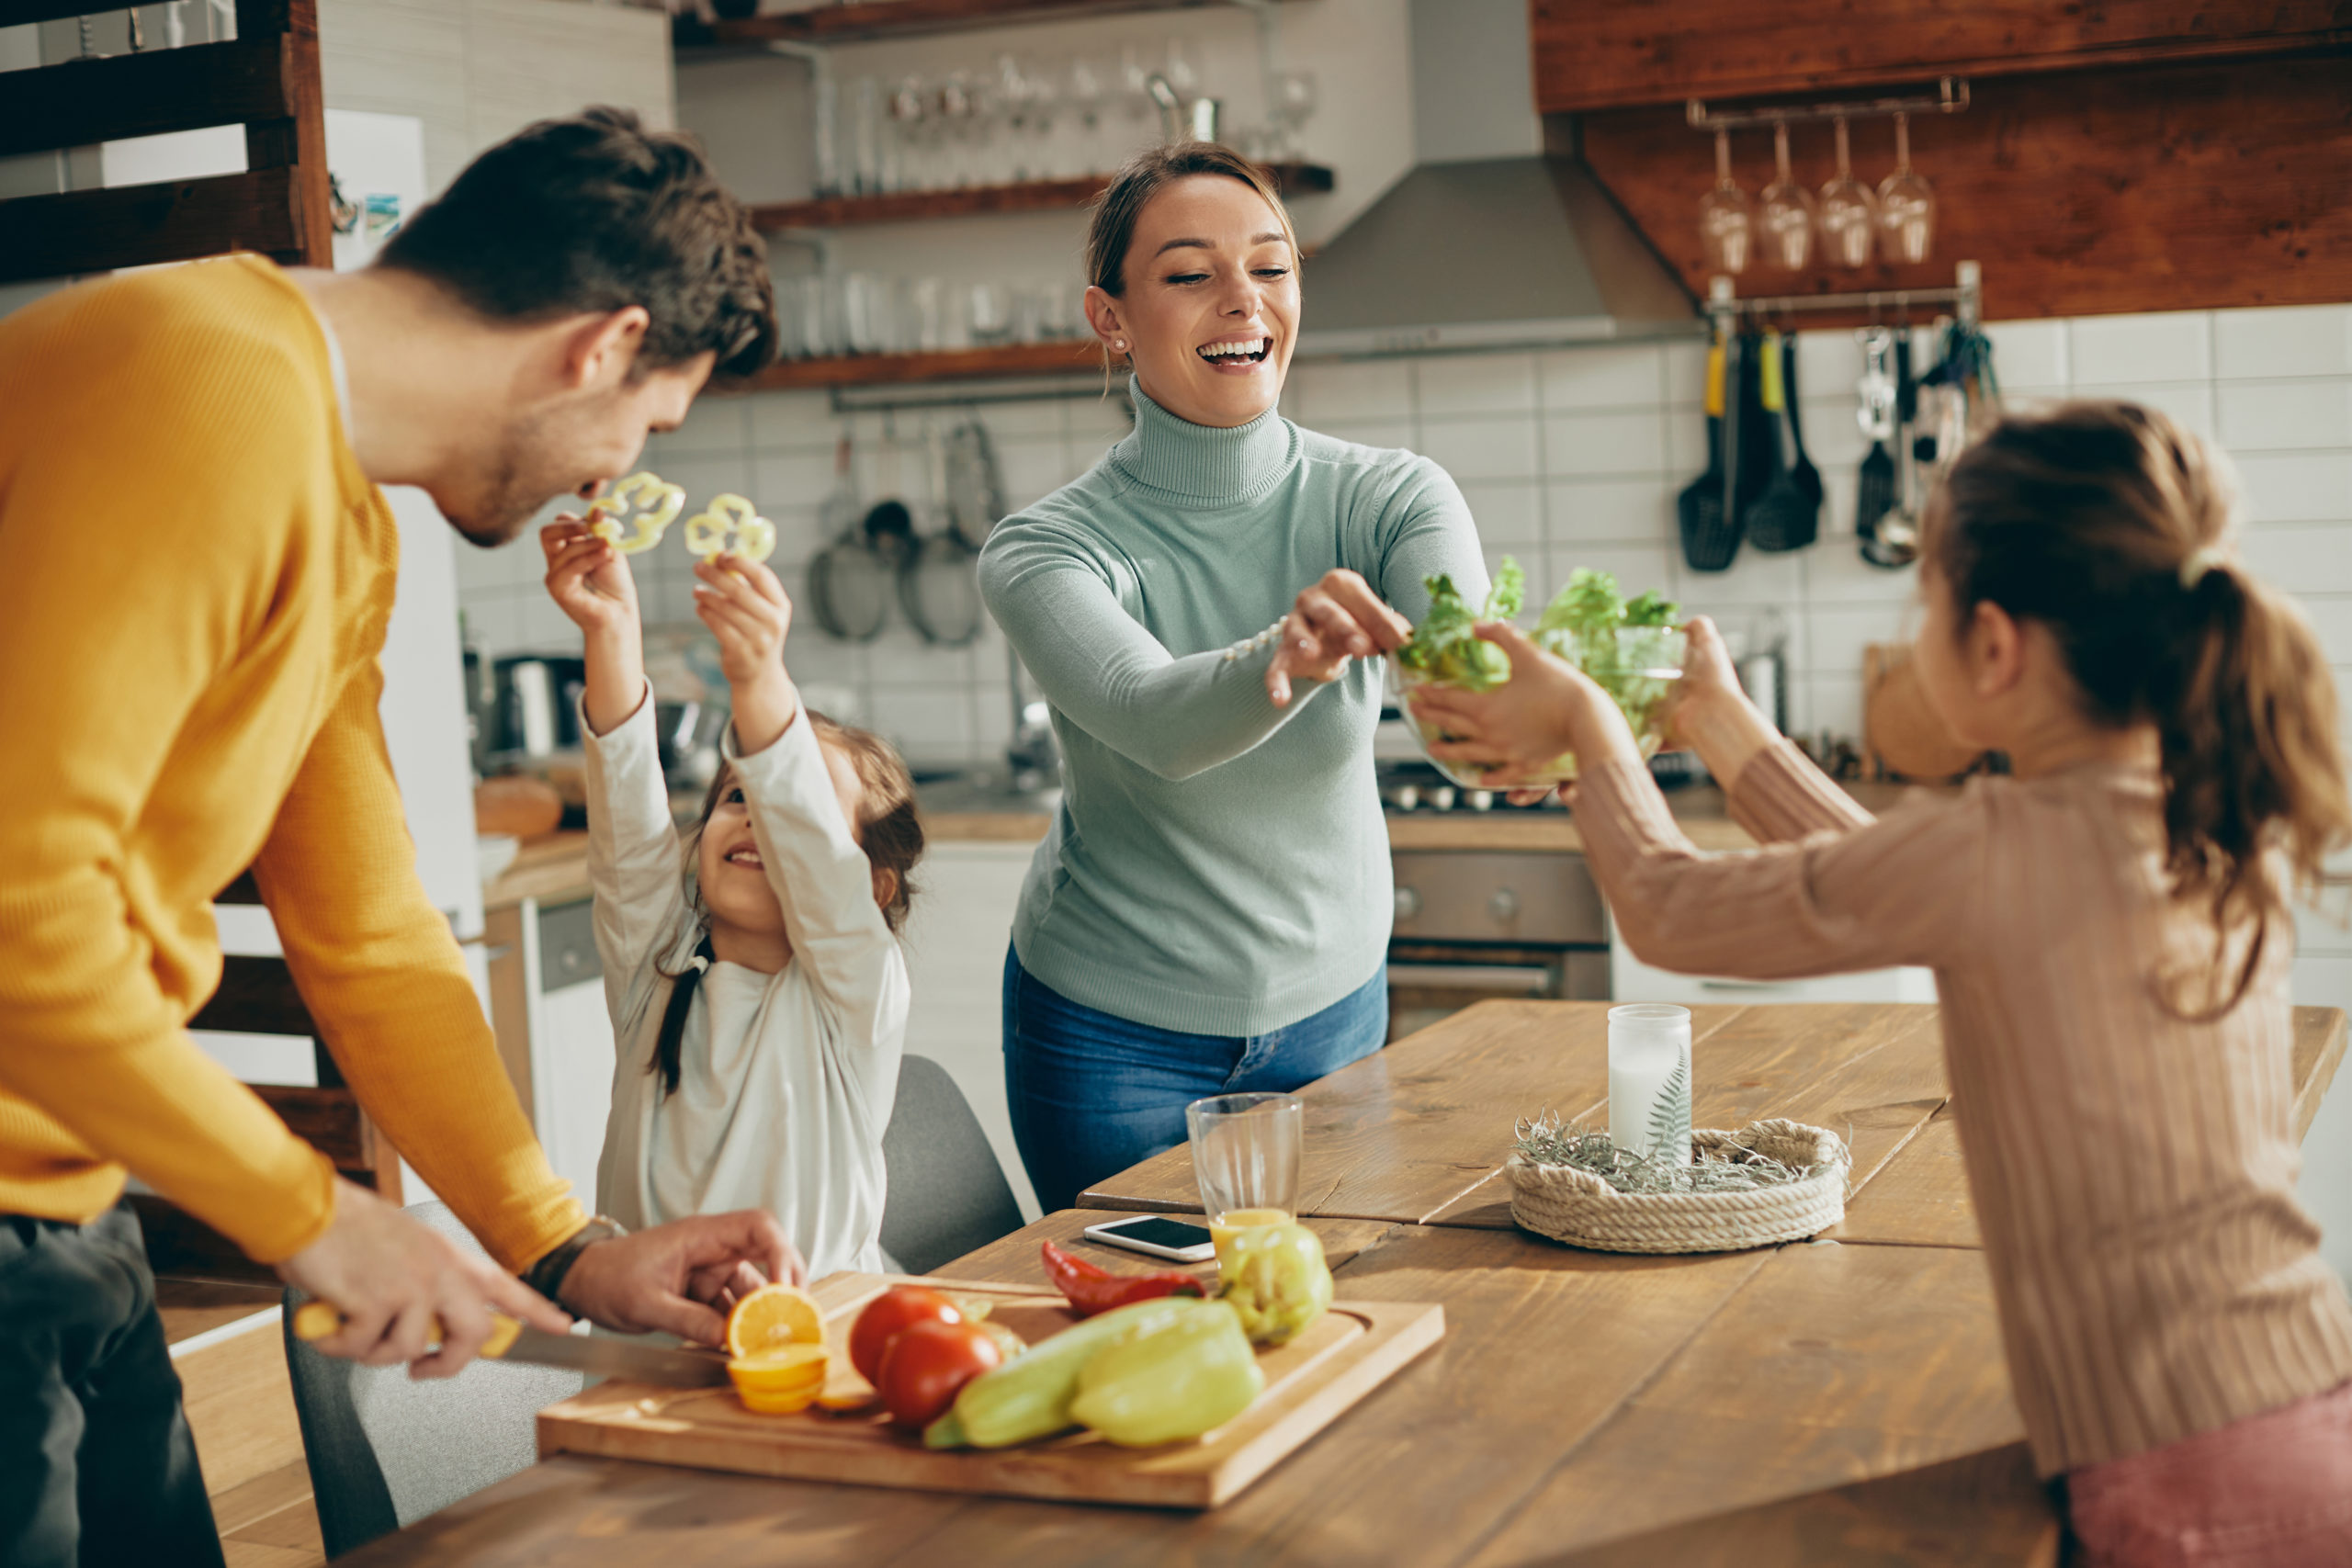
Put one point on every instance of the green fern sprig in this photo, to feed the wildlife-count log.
(1670, 1115)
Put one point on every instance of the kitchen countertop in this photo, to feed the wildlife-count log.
(1788, 1405)
(554, 869)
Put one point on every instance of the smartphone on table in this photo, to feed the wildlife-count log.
(1159, 1236)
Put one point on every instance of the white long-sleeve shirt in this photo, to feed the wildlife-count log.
(785, 1081)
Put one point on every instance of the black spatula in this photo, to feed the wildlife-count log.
(1780, 518)
(1808, 476)
(1709, 537)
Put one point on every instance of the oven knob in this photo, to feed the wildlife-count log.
(1405, 797)
(1503, 906)
(1408, 903)
(1481, 800)
(1442, 797)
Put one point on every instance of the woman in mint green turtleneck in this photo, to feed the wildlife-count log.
(1203, 610)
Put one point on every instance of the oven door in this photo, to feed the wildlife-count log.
(1426, 983)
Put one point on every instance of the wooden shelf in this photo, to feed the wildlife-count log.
(1031, 195)
(864, 19)
(1063, 356)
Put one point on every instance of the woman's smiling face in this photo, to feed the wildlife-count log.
(1209, 312)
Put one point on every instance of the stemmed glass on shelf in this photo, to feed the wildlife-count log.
(1727, 229)
(1848, 212)
(1907, 205)
(1786, 216)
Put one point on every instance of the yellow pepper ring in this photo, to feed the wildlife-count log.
(658, 504)
(732, 527)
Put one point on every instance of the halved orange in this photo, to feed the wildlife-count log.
(773, 1316)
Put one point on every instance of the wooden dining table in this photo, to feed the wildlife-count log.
(1837, 1399)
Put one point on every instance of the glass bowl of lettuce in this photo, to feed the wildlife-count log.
(1631, 650)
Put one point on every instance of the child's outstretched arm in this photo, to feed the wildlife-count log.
(1782, 796)
(632, 844)
(589, 581)
(1901, 891)
(820, 876)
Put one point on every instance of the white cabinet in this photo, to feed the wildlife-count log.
(955, 943)
(547, 1002)
(1631, 980)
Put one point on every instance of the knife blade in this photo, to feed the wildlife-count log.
(628, 1360)
(597, 1355)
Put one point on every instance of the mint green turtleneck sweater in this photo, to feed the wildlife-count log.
(1219, 865)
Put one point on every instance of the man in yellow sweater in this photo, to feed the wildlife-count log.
(196, 572)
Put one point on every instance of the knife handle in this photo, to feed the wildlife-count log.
(317, 1319)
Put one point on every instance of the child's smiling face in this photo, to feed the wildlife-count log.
(735, 886)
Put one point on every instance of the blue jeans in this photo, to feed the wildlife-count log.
(1094, 1093)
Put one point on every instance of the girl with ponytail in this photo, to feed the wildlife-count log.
(757, 995)
(2111, 937)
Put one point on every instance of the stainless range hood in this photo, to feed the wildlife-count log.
(1486, 242)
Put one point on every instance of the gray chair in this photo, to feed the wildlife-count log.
(948, 1195)
(384, 1451)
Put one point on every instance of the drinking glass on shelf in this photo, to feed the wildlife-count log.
(1295, 102)
(1726, 226)
(959, 114)
(864, 105)
(1089, 88)
(925, 327)
(1907, 205)
(911, 117)
(1246, 1151)
(990, 309)
(1848, 212)
(1787, 215)
(802, 301)
(862, 301)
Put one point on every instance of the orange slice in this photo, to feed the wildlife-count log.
(773, 1316)
(776, 1403)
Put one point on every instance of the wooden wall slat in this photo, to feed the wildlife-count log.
(2088, 194)
(1593, 54)
(96, 230)
(257, 996)
(78, 102)
(329, 1120)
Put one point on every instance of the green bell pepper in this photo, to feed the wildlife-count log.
(1275, 1278)
(1164, 1382)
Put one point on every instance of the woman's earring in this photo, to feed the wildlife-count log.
(1119, 343)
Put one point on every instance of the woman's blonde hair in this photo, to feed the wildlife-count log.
(889, 830)
(1111, 227)
(2108, 523)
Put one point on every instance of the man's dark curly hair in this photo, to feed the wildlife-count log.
(594, 213)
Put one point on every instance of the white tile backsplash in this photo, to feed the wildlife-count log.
(1601, 379)
(1605, 443)
(1568, 458)
(1608, 510)
(2277, 415)
(2175, 347)
(1509, 514)
(2299, 487)
(1453, 385)
(2313, 339)
(1493, 447)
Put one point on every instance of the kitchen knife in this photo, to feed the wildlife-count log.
(596, 1355)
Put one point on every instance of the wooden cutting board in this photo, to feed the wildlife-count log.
(1351, 1350)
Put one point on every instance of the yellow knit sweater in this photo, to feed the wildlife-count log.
(195, 579)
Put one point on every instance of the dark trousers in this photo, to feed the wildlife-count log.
(96, 1465)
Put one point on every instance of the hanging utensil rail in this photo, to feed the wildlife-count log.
(1965, 297)
(1951, 97)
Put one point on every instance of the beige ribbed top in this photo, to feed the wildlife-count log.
(2133, 1174)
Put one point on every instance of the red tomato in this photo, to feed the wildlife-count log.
(927, 1366)
(885, 1317)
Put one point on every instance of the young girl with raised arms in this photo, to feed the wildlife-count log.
(2111, 943)
(757, 995)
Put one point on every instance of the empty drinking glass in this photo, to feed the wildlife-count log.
(1246, 1151)
(1725, 228)
(1907, 205)
(1848, 212)
(1294, 101)
(1787, 213)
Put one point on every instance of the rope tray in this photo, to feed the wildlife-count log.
(1580, 1208)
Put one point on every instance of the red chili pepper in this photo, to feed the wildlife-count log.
(1091, 1288)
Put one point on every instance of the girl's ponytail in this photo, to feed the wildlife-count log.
(2108, 524)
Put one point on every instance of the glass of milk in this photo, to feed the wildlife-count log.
(1649, 1080)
